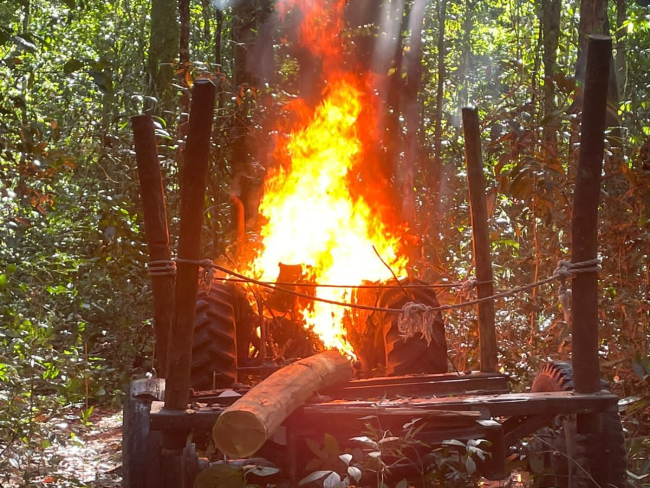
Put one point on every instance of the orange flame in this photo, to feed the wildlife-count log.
(315, 216)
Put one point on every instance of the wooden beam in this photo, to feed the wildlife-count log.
(155, 224)
(246, 425)
(193, 181)
(481, 239)
(327, 415)
(552, 403)
(425, 385)
(584, 224)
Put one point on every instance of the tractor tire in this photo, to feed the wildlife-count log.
(412, 355)
(214, 350)
(599, 457)
(141, 448)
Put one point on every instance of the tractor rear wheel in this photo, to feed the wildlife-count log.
(601, 455)
(222, 335)
(214, 350)
(412, 355)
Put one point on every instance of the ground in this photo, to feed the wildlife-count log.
(81, 454)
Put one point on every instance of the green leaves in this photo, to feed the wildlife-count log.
(103, 80)
(72, 65)
(23, 44)
(221, 476)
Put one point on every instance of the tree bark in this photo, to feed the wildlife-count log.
(466, 56)
(243, 36)
(193, 183)
(436, 172)
(155, 221)
(480, 239)
(593, 20)
(620, 59)
(550, 18)
(184, 61)
(584, 225)
(205, 11)
(163, 49)
(412, 110)
(393, 131)
(246, 425)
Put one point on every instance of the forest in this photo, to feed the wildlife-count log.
(76, 303)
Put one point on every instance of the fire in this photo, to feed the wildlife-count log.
(314, 206)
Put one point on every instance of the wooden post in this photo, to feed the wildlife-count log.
(584, 225)
(481, 239)
(193, 183)
(155, 224)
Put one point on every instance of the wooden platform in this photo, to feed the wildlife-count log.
(489, 406)
(457, 409)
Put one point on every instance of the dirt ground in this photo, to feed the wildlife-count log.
(81, 454)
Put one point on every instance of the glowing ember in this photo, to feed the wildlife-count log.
(314, 217)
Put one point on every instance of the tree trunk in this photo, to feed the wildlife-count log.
(593, 20)
(163, 50)
(243, 36)
(550, 19)
(246, 425)
(184, 61)
(263, 59)
(436, 173)
(412, 110)
(620, 60)
(216, 175)
(466, 56)
(394, 86)
(205, 11)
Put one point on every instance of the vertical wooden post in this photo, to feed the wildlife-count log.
(193, 183)
(155, 224)
(584, 225)
(481, 239)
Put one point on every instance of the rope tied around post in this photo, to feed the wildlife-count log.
(161, 268)
(567, 269)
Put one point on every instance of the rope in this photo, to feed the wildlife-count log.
(156, 268)
(564, 270)
(416, 319)
(378, 286)
(162, 268)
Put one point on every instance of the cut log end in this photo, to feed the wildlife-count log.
(239, 434)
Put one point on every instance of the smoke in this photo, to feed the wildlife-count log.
(223, 4)
(391, 22)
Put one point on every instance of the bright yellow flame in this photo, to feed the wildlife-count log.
(314, 220)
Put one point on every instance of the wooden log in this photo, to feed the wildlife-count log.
(584, 224)
(193, 182)
(246, 425)
(155, 224)
(481, 239)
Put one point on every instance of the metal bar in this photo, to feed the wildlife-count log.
(155, 224)
(481, 239)
(584, 225)
(193, 183)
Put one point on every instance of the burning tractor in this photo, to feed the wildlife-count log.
(319, 334)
